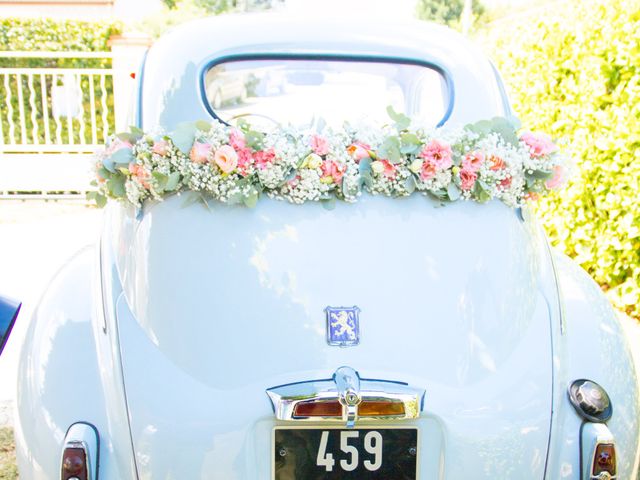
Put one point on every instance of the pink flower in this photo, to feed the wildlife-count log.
(439, 153)
(244, 161)
(539, 143)
(359, 150)
(319, 145)
(264, 158)
(141, 174)
(389, 169)
(226, 158)
(161, 147)
(116, 145)
(473, 161)
(532, 196)
(497, 163)
(467, 179)
(428, 170)
(506, 183)
(200, 152)
(236, 140)
(558, 179)
(333, 170)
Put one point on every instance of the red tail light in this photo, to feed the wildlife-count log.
(74, 463)
(604, 461)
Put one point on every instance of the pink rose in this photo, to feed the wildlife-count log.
(538, 143)
(558, 179)
(467, 179)
(334, 170)
(264, 158)
(200, 152)
(473, 161)
(236, 140)
(428, 170)
(226, 158)
(358, 151)
(319, 145)
(439, 153)
(161, 147)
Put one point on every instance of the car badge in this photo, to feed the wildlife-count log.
(343, 326)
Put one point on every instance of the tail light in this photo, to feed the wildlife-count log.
(604, 461)
(80, 453)
(74, 462)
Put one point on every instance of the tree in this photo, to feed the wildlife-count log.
(447, 12)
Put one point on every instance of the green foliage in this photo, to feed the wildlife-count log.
(573, 69)
(447, 12)
(8, 469)
(55, 35)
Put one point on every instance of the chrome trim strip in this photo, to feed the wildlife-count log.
(351, 391)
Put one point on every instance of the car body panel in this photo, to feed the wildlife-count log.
(61, 378)
(471, 327)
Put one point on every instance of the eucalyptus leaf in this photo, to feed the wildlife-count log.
(390, 149)
(364, 166)
(101, 200)
(539, 175)
(410, 184)
(402, 122)
(122, 156)
(172, 181)
(161, 180)
(184, 136)
(252, 199)
(115, 185)
(254, 139)
(453, 192)
(409, 143)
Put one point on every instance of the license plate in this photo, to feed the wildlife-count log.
(341, 453)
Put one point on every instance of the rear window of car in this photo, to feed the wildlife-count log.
(300, 91)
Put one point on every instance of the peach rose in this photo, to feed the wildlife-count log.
(226, 158)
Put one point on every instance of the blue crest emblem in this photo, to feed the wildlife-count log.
(343, 326)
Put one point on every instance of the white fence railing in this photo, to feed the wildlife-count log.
(56, 108)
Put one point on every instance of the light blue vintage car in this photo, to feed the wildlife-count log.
(383, 339)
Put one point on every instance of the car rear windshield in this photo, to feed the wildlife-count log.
(300, 91)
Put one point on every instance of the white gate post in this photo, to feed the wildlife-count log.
(128, 51)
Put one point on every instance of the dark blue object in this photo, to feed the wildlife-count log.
(8, 313)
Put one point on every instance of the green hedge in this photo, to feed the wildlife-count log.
(55, 35)
(573, 70)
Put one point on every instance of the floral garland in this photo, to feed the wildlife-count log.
(479, 162)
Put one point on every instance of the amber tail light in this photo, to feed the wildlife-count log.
(74, 464)
(371, 408)
(333, 408)
(604, 460)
